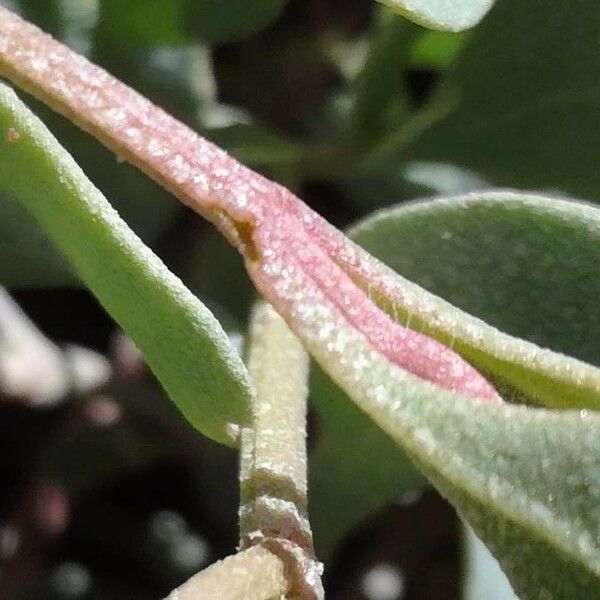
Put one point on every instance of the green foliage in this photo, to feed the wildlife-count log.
(227, 20)
(143, 22)
(522, 371)
(522, 99)
(140, 22)
(351, 449)
(521, 263)
(379, 90)
(479, 253)
(513, 104)
(517, 477)
(484, 578)
(437, 49)
(28, 258)
(180, 339)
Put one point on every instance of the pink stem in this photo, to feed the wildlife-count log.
(268, 224)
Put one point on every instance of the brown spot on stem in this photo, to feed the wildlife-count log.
(245, 231)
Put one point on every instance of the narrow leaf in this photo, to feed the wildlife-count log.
(180, 339)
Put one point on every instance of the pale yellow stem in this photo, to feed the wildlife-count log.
(274, 509)
(254, 574)
(278, 559)
(278, 366)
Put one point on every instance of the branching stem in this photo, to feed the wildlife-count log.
(254, 574)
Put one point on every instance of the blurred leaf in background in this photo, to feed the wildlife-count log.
(524, 107)
(230, 20)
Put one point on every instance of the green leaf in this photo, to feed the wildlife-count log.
(525, 478)
(26, 257)
(380, 96)
(523, 264)
(151, 22)
(180, 339)
(523, 100)
(521, 371)
(441, 14)
(437, 50)
(230, 20)
(143, 22)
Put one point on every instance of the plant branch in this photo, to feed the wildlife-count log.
(274, 509)
(296, 259)
(254, 574)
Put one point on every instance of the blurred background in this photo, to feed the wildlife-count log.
(106, 492)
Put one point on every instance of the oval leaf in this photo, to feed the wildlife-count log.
(526, 479)
(524, 264)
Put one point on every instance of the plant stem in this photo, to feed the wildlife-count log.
(277, 556)
(254, 574)
(273, 483)
(297, 260)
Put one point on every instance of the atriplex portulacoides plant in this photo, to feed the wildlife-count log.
(441, 383)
